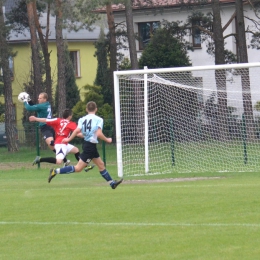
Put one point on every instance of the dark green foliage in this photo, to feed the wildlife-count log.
(255, 41)
(164, 51)
(230, 57)
(125, 64)
(72, 90)
(102, 77)
(93, 93)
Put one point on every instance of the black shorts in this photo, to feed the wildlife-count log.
(89, 152)
(47, 131)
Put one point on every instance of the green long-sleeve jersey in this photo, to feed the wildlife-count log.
(43, 110)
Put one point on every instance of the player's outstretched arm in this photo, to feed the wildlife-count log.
(101, 136)
(37, 119)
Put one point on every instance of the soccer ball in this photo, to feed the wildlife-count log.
(23, 96)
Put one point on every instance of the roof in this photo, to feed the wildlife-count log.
(151, 4)
(9, 4)
(80, 35)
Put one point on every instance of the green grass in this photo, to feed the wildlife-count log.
(78, 216)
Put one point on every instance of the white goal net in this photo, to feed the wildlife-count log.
(192, 119)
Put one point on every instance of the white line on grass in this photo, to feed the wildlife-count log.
(134, 186)
(132, 224)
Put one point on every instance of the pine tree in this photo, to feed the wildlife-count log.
(72, 90)
(102, 77)
(164, 51)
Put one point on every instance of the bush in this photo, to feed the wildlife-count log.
(164, 51)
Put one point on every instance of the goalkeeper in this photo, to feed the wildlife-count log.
(43, 110)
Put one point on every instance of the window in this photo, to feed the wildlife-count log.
(11, 67)
(196, 37)
(74, 57)
(145, 30)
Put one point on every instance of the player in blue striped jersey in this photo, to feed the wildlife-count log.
(91, 127)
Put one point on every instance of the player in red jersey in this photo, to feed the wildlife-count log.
(63, 128)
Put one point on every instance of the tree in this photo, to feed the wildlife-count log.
(164, 51)
(37, 75)
(60, 56)
(245, 79)
(44, 46)
(103, 73)
(104, 110)
(5, 54)
(71, 88)
(130, 34)
(220, 75)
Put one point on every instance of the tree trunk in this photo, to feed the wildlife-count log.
(37, 77)
(220, 75)
(44, 45)
(113, 51)
(9, 106)
(61, 60)
(113, 45)
(139, 104)
(131, 34)
(245, 79)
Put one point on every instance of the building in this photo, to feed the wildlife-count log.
(147, 17)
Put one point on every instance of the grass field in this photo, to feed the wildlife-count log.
(171, 216)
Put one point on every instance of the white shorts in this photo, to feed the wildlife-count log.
(62, 150)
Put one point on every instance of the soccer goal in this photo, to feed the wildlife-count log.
(189, 119)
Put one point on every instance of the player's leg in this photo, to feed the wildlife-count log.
(85, 158)
(61, 152)
(68, 169)
(50, 142)
(73, 149)
(38, 159)
(105, 174)
(49, 135)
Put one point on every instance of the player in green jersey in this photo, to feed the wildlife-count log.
(43, 109)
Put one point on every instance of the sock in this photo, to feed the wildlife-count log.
(106, 175)
(48, 160)
(77, 156)
(66, 170)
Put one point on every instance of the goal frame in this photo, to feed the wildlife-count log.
(146, 71)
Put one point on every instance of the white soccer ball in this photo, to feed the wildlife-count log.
(23, 96)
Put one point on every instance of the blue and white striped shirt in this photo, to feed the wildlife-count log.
(89, 124)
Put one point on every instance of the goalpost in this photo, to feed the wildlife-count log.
(188, 119)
